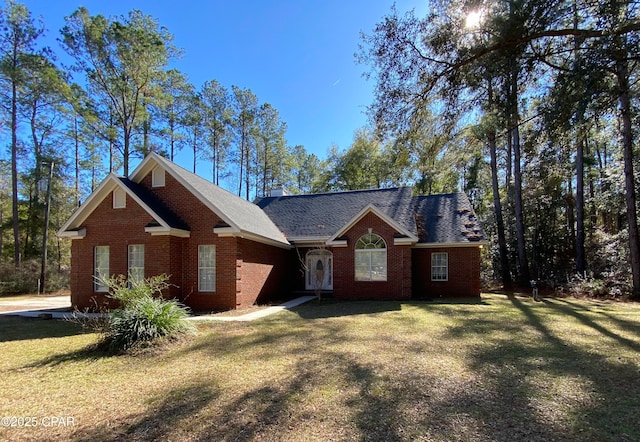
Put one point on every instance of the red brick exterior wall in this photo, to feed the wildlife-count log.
(398, 283)
(246, 272)
(464, 273)
(264, 272)
(116, 228)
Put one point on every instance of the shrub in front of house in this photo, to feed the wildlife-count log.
(144, 317)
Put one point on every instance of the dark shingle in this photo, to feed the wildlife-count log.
(324, 214)
(447, 218)
(155, 204)
(235, 211)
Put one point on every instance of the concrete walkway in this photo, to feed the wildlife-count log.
(59, 307)
(258, 313)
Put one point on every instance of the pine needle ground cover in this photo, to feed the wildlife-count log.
(503, 368)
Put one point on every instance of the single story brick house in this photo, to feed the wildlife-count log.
(223, 252)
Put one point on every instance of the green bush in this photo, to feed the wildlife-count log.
(145, 321)
(127, 292)
(144, 317)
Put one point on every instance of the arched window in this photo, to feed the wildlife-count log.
(371, 258)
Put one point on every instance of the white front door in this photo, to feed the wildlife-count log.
(319, 270)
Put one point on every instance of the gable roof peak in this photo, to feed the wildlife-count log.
(241, 215)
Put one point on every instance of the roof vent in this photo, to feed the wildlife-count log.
(278, 191)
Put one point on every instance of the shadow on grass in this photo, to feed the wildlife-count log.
(601, 402)
(573, 309)
(330, 308)
(88, 353)
(344, 380)
(18, 328)
(173, 412)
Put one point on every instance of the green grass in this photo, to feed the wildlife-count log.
(504, 368)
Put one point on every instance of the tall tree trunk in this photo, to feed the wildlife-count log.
(171, 138)
(145, 137)
(497, 204)
(517, 180)
(214, 174)
(93, 178)
(593, 215)
(14, 171)
(622, 75)
(497, 208)
(125, 152)
(571, 218)
(111, 141)
(77, 162)
(195, 148)
(509, 167)
(581, 263)
(34, 208)
(580, 253)
(242, 141)
(247, 175)
(45, 232)
(264, 171)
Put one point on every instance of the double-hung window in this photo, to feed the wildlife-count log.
(371, 258)
(207, 268)
(136, 263)
(439, 266)
(100, 268)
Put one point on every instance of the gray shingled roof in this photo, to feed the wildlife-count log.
(324, 214)
(238, 212)
(155, 204)
(447, 218)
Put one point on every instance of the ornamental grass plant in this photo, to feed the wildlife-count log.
(144, 317)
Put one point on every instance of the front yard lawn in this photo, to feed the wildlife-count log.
(504, 368)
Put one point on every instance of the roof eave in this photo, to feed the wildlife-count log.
(110, 183)
(404, 241)
(73, 234)
(308, 240)
(435, 245)
(228, 232)
(171, 231)
(97, 196)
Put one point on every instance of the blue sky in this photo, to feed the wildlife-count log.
(296, 55)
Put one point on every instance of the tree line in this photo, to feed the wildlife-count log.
(118, 100)
(540, 99)
(530, 107)
(68, 125)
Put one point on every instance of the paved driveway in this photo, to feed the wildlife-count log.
(33, 303)
(60, 306)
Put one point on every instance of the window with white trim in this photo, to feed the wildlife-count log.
(371, 258)
(136, 262)
(157, 177)
(119, 199)
(206, 268)
(439, 266)
(100, 268)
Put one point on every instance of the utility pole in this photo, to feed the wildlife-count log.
(45, 230)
